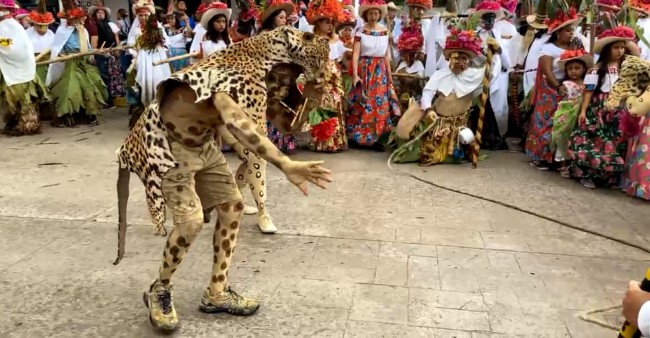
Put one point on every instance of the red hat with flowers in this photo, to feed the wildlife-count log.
(462, 41)
(509, 6)
(613, 5)
(8, 4)
(487, 7)
(380, 5)
(642, 6)
(41, 16)
(426, 4)
(70, 11)
(411, 39)
(561, 17)
(21, 13)
(324, 9)
(349, 19)
(214, 9)
(619, 33)
(575, 55)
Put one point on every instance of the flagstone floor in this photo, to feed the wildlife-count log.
(377, 254)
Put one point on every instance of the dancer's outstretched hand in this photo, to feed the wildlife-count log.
(299, 173)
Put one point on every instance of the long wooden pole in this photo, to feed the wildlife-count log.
(476, 146)
(90, 52)
(176, 58)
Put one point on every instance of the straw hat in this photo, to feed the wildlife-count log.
(620, 33)
(143, 5)
(70, 11)
(99, 6)
(538, 20)
(273, 6)
(460, 41)
(324, 9)
(214, 9)
(8, 4)
(562, 19)
(451, 9)
(575, 55)
(391, 5)
(487, 7)
(365, 5)
(41, 16)
(349, 19)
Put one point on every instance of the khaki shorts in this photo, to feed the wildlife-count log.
(202, 180)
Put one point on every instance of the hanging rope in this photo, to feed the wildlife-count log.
(476, 146)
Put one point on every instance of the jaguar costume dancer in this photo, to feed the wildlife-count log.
(19, 85)
(172, 149)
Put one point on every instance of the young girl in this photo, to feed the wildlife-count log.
(178, 37)
(575, 65)
(597, 146)
(215, 21)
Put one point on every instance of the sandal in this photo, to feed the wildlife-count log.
(539, 165)
(564, 172)
(588, 183)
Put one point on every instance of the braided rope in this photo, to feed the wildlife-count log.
(476, 146)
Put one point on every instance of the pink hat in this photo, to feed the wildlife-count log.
(21, 13)
(8, 4)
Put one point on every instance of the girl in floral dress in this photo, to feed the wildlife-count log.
(575, 64)
(372, 99)
(597, 146)
(322, 14)
(548, 89)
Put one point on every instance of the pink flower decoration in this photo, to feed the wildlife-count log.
(488, 6)
(619, 32)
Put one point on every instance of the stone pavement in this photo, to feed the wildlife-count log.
(376, 255)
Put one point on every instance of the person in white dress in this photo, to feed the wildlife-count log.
(147, 75)
(42, 39)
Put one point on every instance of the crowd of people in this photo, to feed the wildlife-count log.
(410, 81)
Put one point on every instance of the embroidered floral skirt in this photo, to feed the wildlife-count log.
(636, 178)
(284, 143)
(538, 140)
(332, 99)
(371, 103)
(597, 146)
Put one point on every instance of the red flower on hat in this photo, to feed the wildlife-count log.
(619, 32)
(614, 3)
(372, 2)
(217, 5)
(319, 9)
(466, 40)
(75, 13)
(570, 54)
(202, 8)
(561, 18)
(41, 18)
(509, 5)
(411, 39)
(489, 5)
(428, 4)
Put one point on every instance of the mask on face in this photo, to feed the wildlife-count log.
(487, 20)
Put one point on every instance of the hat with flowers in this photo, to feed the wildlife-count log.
(144, 6)
(488, 7)
(411, 39)
(348, 20)
(365, 5)
(21, 13)
(575, 55)
(8, 4)
(41, 16)
(324, 9)
(619, 33)
(613, 5)
(70, 11)
(214, 9)
(641, 6)
(462, 41)
(426, 4)
(509, 7)
(560, 17)
(272, 6)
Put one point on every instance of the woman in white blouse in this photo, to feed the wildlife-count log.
(215, 22)
(372, 100)
(178, 37)
(321, 15)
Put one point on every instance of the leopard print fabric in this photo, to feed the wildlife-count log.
(238, 70)
(633, 80)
